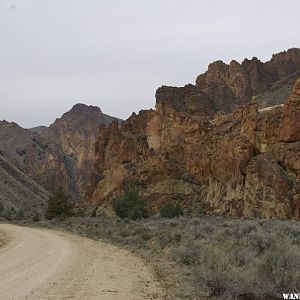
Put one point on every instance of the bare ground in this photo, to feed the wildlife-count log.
(47, 264)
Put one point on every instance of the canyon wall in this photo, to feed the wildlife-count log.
(215, 147)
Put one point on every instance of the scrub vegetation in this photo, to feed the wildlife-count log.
(207, 257)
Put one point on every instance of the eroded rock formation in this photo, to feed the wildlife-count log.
(202, 149)
(234, 84)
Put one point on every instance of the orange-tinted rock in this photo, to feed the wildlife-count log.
(232, 164)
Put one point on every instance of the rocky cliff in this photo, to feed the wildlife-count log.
(213, 146)
(59, 155)
(270, 83)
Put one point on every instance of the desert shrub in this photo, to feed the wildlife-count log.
(279, 269)
(262, 241)
(79, 212)
(177, 237)
(171, 210)
(215, 271)
(130, 205)
(94, 213)
(144, 233)
(164, 240)
(36, 217)
(20, 215)
(58, 205)
(1, 207)
(187, 254)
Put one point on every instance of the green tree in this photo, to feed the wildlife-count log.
(130, 205)
(171, 210)
(58, 205)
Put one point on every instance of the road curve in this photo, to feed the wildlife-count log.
(48, 264)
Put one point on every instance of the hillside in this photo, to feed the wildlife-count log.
(19, 194)
(13, 142)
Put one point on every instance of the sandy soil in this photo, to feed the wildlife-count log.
(47, 264)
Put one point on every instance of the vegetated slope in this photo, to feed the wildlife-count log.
(59, 155)
(211, 256)
(19, 194)
(201, 147)
(13, 142)
(38, 129)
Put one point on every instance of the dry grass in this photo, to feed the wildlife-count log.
(3, 238)
(208, 257)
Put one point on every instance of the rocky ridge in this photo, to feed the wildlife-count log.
(59, 155)
(232, 85)
(211, 146)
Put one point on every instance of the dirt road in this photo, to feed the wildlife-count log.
(47, 264)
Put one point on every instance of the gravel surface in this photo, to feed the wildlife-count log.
(48, 264)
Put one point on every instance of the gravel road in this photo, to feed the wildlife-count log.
(48, 264)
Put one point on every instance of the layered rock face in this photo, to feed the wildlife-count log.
(243, 163)
(60, 155)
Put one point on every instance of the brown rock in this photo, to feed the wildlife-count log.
(230, 86)
(230, 164)
(290, 127)
(60, 155)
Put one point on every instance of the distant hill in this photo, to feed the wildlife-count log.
(60, 155)
(13, 141)
(38, 129)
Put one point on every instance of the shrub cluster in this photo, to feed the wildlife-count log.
(130, 205)
(58, 205)
(171, 210)
(217, 257)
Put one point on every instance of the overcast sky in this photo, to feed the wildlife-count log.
(116, 53)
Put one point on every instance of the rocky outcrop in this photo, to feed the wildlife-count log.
(190, 149)
(290, 130)
(235, 84)
(59, 155)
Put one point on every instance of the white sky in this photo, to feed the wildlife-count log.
(116, 53)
